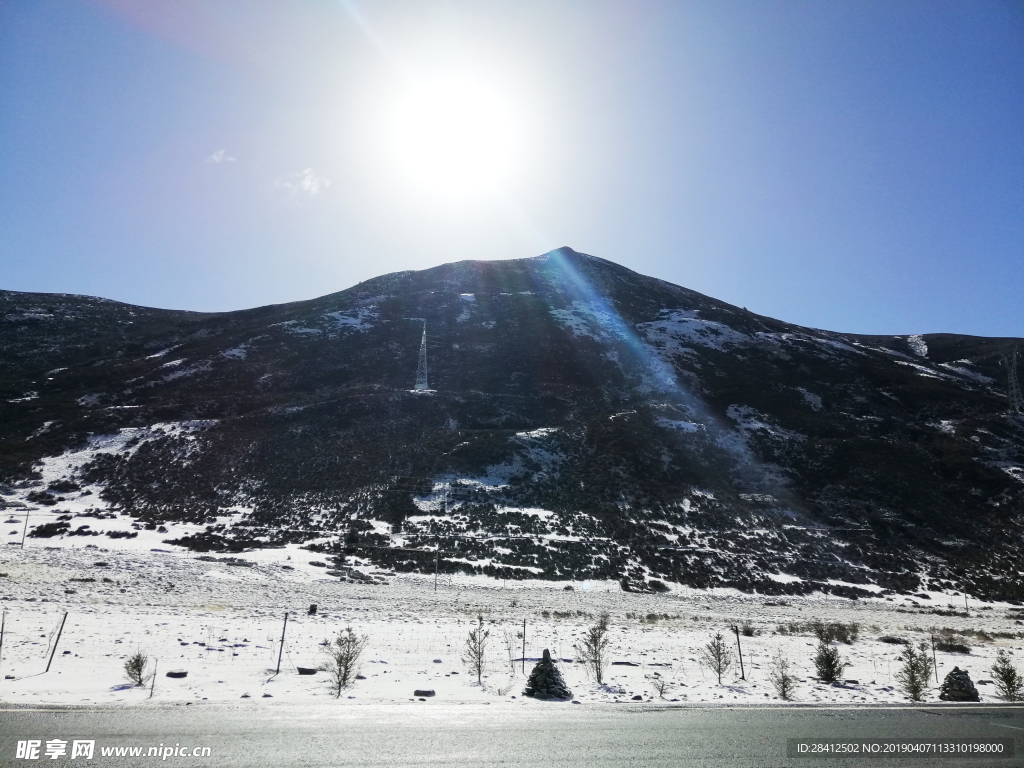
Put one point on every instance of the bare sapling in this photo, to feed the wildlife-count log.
(342, 658)
(592, 649)
(659, 684)
(716, 656)
(475, 651)
(135, 668)
(781, 678)
(510, 641)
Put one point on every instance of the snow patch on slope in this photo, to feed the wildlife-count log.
(918, 345)
(677, 330)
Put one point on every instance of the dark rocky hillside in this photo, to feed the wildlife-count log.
(583, 422)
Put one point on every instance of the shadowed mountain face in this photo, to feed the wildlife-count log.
(583, 422)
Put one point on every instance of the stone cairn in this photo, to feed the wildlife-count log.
(958, 687)
(546, 681)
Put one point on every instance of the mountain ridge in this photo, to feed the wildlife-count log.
(585, 422)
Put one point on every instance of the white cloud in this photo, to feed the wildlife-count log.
(220, 156)
(305, 183)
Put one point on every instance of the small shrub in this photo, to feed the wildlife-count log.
(1009, 684)
(828, 662)
(716, 656)
(343, 652)
(592, 649)
(748, 629)
(660, 685)
(913, 675)
(951, 642)
(780, 677)
(135, 668)
(836, 631)
(893, 640)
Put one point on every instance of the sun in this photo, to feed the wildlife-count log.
(453, 137)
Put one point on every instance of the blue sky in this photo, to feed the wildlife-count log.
(857, 166)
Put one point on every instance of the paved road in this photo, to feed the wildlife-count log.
(506, 734)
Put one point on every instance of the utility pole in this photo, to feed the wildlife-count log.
(935, 661)
(3, 623)
(281, 649)
(524, 646)
(25, 531)
(437, 560)
(152, 684)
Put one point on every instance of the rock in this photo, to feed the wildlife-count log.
(423, 693)
(638, 697)
(246, 696)
(546, 681)
(268, 695)
(312, 610)
(177, 673)
(958, 687)
(307, 670)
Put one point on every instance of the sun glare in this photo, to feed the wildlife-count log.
(453, 137)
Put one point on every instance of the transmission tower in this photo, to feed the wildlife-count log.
(1012, 384)
(421, 368)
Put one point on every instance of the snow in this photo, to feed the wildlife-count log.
(222, 623)
(470, 302)
(921, 370)
(918, 345)
(750, 420)
(812, 399)
(684, 426)
(590, 320)
(357, 320)
(676, 330)
(958, 368)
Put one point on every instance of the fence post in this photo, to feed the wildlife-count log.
(281, 649)
(59, 631)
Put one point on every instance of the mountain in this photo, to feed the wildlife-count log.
(582, 422)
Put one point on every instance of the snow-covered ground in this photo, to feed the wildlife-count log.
(221, 620)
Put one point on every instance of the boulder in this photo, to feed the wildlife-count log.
(423, 692)
(546, 681)
(958, 687)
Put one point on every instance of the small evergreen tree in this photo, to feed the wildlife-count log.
(828, 662)
(717, 656)
(780, 677)
(135, 668)
(1009, 684)
(476, 649)
(916, 668)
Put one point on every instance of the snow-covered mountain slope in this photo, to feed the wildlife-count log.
(583, 421)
